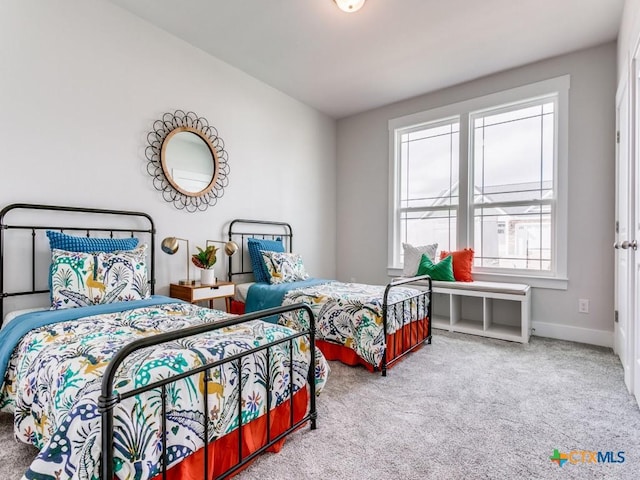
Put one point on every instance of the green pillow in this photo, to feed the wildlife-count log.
(443, 270)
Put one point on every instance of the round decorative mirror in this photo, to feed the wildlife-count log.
(187, 161)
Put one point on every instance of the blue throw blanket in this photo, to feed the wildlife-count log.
(11, 334)
(264, 295)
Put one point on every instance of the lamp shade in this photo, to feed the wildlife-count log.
(230, 247)
(349, 6)
(170, 245)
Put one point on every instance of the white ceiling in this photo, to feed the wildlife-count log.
(343, 63)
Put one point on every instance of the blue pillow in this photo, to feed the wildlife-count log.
(69, 243)
(254, 245)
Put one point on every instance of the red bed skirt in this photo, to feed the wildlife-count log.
(223, 453)
(415, 332)
(237, 307)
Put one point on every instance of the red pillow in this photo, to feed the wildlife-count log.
(462, 264)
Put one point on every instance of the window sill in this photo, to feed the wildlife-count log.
(552, 283)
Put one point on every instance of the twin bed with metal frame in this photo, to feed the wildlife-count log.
(373, 326)
(107, 403)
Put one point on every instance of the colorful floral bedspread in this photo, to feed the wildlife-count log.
(54, 377)
(350, 314)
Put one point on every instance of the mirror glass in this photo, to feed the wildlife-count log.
(188, 162)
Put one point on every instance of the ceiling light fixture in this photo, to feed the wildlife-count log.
(349, 6)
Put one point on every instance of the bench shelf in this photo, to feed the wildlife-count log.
(496, 310)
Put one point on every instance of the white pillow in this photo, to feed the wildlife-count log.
(413, 255)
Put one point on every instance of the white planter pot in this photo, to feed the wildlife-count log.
(207, 276)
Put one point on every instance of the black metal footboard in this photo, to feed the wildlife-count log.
(109, 400)
(406, 309)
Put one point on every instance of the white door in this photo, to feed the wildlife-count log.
(623, 279)
(635, 254)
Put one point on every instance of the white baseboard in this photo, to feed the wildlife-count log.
(603, 338)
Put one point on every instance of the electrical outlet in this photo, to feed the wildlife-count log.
(583, 305)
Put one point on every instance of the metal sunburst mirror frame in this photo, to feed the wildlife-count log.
(157, 139)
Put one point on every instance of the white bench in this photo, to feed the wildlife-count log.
(490, 309)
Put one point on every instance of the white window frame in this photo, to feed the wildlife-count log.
(558, 278)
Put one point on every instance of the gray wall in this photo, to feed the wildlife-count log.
(81, 83)
(362, 189)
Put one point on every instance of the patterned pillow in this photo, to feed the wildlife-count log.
(79, 279)
(70, 243)
(284, 267)
(254, 245)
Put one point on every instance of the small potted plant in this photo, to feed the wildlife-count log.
(205, 259)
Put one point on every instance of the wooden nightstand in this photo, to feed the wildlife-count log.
(198, 293)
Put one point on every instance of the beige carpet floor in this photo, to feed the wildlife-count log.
(464, 407)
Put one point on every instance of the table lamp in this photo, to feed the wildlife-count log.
(170, 246)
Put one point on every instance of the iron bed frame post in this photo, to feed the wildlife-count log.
(313, 413)
(108, 399)
(385, 312)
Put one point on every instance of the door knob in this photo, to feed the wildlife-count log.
(626, 244)
(615, 245)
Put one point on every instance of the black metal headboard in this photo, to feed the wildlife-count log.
(104, 221)
(240, 230)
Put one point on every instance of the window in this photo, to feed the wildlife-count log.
(513, 163)
(428, 183)
(490, 174)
